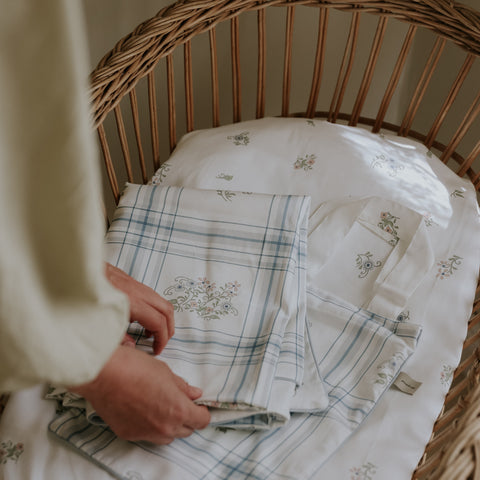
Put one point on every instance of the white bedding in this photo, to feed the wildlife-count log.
(236, 278)
(302, 157)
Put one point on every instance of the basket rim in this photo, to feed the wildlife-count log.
(177, 23)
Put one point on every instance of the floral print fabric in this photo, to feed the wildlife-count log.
(390, 442)
(235, 275)
(357, 353)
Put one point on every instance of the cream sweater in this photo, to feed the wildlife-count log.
(60, 319)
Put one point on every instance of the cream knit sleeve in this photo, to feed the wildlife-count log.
(60, 319)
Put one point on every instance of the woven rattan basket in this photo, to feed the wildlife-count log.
(204, 63)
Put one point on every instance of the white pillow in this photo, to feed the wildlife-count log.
(316, 158)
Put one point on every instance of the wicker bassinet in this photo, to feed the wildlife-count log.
(252, 60)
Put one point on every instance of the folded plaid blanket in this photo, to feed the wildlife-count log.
(267, 349)
(235, 271)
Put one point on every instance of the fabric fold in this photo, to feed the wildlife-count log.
(393, 437)
(360, 355)
(371, 252)
(301, 352)
(234, 268)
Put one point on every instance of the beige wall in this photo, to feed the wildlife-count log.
(109, 20)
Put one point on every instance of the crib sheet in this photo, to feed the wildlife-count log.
(154, 235)
(296, 158)
(236, 278)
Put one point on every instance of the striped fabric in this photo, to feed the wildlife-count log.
(158, 235)
(363, 343)
(234, 269)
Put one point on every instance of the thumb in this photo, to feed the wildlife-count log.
(192, 392)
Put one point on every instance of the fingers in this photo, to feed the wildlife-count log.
(147, 307)
(156, 323)
(194, 418)
(200, 418)
(198, 415)
(164, 307)
(192, 392)
(184, 432)
(128, 341)
(166, 413)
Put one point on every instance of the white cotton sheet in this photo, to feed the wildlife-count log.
(235, 274)
(358, 352)
(306, 156)
(302, 157)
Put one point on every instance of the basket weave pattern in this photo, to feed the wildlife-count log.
(454, 449)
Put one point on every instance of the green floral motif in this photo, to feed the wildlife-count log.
(391, 165)
(458, 193)
(365, 264)
(365, 472)
(10, 451)
(447, 267)
(428, 219)
(224, 176)
(306, 162)
(203, 297)
(388, 223)
(224, 429)
(403, 316)
(429, 154)
(388, 369)
(227, 195)
(224, 405)
(161, 173)
(446, 375)
(310, 123)
(240, 138)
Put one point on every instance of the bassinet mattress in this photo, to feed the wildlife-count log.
(303, 157)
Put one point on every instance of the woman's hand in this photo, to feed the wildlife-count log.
(119, 396)
(147, 307)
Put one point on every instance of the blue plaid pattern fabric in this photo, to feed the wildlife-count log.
(357, 352)
(235, 272)
(360, 343)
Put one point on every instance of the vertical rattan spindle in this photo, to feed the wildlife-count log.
(447, 104)
(319, 62)
(236, 84)
(457, 137)
(214, 73)
(422, 85)
(261, 71)
(123, 142)
(187, 48)
(394, 79)
(112, 177)
(152, 104)
(172, 112)
(369, 70)
(136, 127)
(345, 68)
(287, 65)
